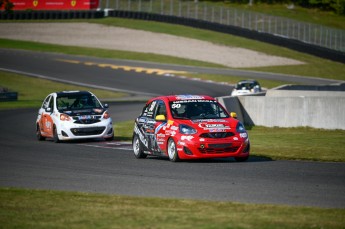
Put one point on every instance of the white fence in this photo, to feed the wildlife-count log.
(306, 32)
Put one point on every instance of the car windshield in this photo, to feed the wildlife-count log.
(245, 86)
(77, 102)
(197, 109)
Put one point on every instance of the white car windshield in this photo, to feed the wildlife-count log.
(77, 102)
(197, 109)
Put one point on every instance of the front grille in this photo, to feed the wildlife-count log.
(89, 119)
(217, 135)
(87, 131)
(219, 148)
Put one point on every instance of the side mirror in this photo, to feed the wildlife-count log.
(48, 109)
(106, 105)
(160, 118)
(233, 115)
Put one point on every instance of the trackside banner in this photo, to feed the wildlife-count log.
(55, 4)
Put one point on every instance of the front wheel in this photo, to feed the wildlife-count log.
(241, 159)
(55, 136)
(38, 134)
(172, 151)
(111, 138)
(138, 148)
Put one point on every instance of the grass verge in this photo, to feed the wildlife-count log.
(31, 92)
(20, 208)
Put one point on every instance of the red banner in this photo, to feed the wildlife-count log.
(55, 4)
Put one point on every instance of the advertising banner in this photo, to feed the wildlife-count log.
(55, 4)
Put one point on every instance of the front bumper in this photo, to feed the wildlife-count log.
(213, 149)
(70, 131)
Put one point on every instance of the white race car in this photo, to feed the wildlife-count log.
(246, 87)
(69, 115)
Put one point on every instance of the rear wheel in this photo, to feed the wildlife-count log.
(38, 134)
(138, 148)
(172, 151)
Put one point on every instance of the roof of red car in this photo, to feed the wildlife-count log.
(184, 97)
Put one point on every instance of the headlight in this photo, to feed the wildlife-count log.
(64, 117)
(240, 128)
(106, 115)
(184, 129)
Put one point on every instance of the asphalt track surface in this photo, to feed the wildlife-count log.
(110, 167)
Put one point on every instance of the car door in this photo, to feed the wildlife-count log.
(152, 129)
(46, 121)
(145, 127)
(160, 125)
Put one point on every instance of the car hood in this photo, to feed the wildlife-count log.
(92, 111)
(212, 125)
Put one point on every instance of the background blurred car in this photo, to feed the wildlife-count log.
(245, 87)
(69, 115)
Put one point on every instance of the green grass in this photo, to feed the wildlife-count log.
(315, 16)
(31, 93)
(20, 208)
(301, 143)
(124, 130)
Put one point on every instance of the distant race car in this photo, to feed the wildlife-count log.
(245, 87)
(188, 127)
(69, 115)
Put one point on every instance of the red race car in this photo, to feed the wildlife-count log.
(188, 127)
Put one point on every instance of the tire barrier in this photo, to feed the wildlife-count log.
(51, 15)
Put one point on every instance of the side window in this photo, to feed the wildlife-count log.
(46, 102)
(161, 109)
(51, 103)
(149, 110)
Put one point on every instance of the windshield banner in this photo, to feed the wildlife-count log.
(55, 4)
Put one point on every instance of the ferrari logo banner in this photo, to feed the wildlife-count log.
(55, 4)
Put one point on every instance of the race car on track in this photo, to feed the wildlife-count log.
(246, 87)
(69, 115)
(188, 127)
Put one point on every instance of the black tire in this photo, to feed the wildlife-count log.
(55, 136)
(241, 159)
(38, 134)
(138, 147)
(172, 151)
(111, 138)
